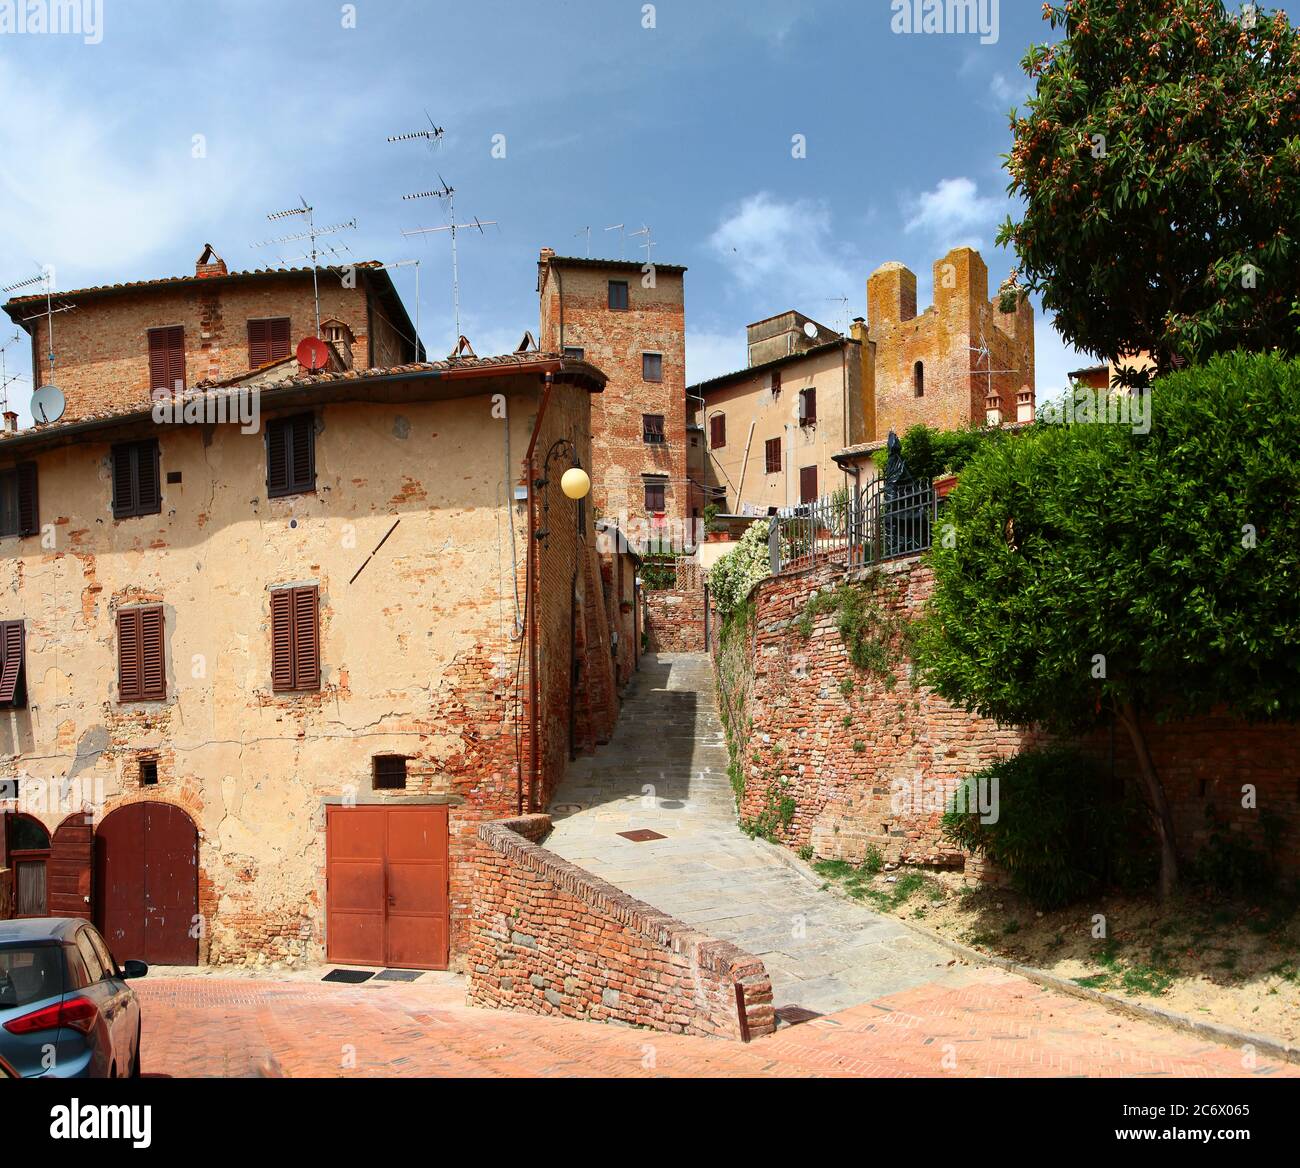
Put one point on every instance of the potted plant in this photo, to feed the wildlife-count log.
(944, 484)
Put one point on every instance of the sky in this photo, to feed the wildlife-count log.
(181, 124)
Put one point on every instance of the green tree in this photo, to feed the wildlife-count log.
(1101, 573)
(1160, 166)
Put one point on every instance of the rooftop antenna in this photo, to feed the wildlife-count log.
(649, 242)
(587, 232)
(46, 282)
(622, 239)
(433, 135)
(308, 212)
(408, 264)
(448, 194)
(843, 302)
(5, 380)
(983, 353)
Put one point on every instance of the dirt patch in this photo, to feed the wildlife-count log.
(1233, 962)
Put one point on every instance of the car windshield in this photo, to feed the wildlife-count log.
(30, 973)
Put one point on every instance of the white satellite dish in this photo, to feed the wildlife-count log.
(48, 404)
(810, 329)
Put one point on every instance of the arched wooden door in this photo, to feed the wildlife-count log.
(147, 883)
(72, 860)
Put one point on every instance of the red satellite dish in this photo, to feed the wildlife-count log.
(313, 354)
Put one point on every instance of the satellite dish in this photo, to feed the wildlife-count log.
(48, 404)
(810, 329)
(313, 354)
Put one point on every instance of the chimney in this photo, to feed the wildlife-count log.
(210, 264)
(1025, 405)
(11, 422)
(993, 410)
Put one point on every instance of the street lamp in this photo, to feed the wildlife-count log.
(575, 483)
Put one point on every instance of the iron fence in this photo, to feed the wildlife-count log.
(881, 522)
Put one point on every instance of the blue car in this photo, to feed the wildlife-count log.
(66, 1010)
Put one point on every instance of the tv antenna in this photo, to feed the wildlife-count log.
(5, 379)
(984, 353)
(46, 282)
(649, 242)
(843, 302)
(408, 264)
(448, 194)
(587, 232)
(433, 135)
(622, 239)
(313, 233)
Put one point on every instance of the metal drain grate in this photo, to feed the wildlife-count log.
(349, 976)
(794, 1015)
(641, 835)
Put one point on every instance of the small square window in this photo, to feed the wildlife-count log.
(655, 497)
(652, 366)
(148, 772)
(574, 353)
(652, 429)
(390, 772)
(618, 295)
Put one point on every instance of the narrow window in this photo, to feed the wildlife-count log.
(390, 773)
(148, 772)
(773, 451)
(918, 379)
(268, 340)
(135, 479)
(574, 353)
(718, 431)
(776, 382)
(141, 674)
(655, 497)
(652, 366)
(291, 455)
(652, 429)
(808, 484)
(808, 407)
(618, 295)
(295, 640)
(167, 359)
(13, 675)
(18, 501)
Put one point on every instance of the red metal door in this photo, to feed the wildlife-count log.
(72, 859)
(387, 886)
(146, 883)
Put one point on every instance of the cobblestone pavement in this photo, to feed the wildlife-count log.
(996, 1025)
(666, 770)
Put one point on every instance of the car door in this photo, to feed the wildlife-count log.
(121, 1009)
(90, 970)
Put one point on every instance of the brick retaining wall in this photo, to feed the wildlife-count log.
(674, 620)
(548, 937)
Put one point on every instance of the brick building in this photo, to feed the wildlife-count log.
(258, 689)
(631, 324)
(122, 341)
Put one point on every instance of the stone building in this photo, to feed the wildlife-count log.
(630, 322)
(258, 688)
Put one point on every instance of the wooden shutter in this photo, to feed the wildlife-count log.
(282, 640)
(167, 358)
(306, 640)
(124, 503)
(130, 657)
(279, 338)
(808, 484)
(148, 492)
(11, 647)
(302, 467)
(259, 343)
(29, 522)
(277, 458)
(718, 431)
(153, 672)
(773, 452)
(809, 407)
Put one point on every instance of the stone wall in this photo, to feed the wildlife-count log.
(674, 620)
(550, 938)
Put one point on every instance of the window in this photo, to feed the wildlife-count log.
(291, 455)
(148, 772)
(776, 382)
(13, 675)
(574, 353)
(295, 639)
(94, 966)
(18, 510)
(390, 772)
(167, 359)
(918, 379)
(618, 295)
(135, 479)
(807, 407)
(808, 484)
(773, 451)
(655, 497)
(652, 366)
(101, 951)
(652, 429)
(718, 431)
(268, 340)
(141, 673)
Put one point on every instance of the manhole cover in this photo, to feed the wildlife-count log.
(641, 835)
(793, 1015)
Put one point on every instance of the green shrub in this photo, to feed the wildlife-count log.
(732, 577)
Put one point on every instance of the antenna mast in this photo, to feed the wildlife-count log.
(312, 233)
(622, 239)
(46, 280)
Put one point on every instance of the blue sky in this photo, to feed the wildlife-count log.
(686, 127)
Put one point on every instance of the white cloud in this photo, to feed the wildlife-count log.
(773, 245)
(954, 214)
(1005, 91)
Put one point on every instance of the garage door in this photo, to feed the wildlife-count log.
(147, 884)
(386, 886)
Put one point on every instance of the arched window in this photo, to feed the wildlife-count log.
(28, 847)
(918, 379)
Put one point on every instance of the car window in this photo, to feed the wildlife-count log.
(94, 967)
(78, 978)
(30, 973)
(101, 948)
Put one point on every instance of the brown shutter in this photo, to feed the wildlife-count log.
(282, 640)
(11, 645)
(277, 458)
(259, 344)
(278, 339)
(158, 360)
(153, 673)
(130, 665)
(29, 522)
(148, 492)
(810, 405)
(166, 358)
(306, 640)
(808, 484)
(123, 482)
(303, 457)
(176, 357)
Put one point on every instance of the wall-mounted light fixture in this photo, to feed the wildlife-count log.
(575, 483)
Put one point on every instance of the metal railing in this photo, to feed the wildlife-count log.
(881, 522)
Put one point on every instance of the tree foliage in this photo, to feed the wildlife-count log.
(1160, 165)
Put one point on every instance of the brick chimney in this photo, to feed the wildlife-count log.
(210, 264)
(11, 422)
(1025, 405)
(993, 410)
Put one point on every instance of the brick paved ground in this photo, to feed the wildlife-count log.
(996, 1025)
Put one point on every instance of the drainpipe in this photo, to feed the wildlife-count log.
(530, 607)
